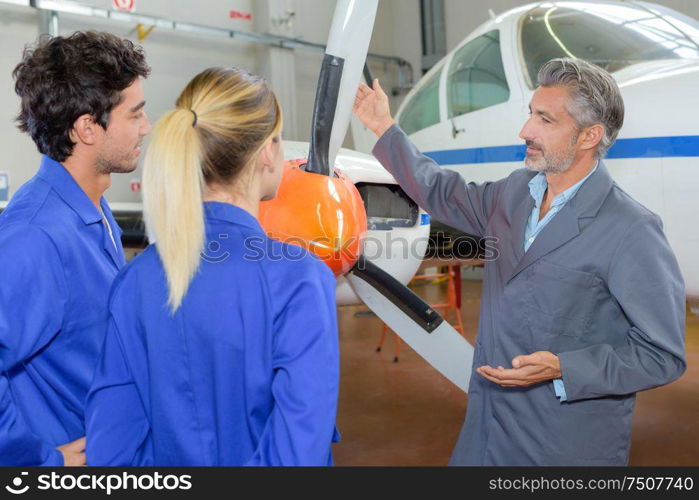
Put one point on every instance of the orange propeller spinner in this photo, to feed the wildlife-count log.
(324, 214)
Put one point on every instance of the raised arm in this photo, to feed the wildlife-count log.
(443, 193)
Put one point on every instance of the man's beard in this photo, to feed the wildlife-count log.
(108, 164)
(552, 163)
(115, 168)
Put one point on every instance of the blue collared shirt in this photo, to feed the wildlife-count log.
(245, 372)
(58, 263)
(537, 188)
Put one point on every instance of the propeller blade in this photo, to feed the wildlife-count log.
(340, 73)
(324, 115)
(425, 331)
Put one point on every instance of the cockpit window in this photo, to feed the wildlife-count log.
(422, 110)
(612, 36)
(476, 77)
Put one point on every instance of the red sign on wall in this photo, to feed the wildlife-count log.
(236, 14)
(124, 5)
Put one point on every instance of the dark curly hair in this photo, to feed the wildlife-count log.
(62, 78)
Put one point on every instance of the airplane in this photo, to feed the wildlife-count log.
(467, 111)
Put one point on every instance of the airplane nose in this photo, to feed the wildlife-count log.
(325, 215)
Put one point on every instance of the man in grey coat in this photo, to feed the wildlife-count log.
(584, 305)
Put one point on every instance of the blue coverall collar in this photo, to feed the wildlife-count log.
(231, 213)
(63, 183)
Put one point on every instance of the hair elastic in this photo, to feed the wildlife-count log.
(194, 123)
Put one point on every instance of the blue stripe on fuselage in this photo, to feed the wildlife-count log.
(644, 147)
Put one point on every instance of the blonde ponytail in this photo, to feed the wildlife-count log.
(223, 118)
(173, 185)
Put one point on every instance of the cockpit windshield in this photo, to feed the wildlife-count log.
(611, 35)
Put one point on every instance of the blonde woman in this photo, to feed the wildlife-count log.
(222, 344)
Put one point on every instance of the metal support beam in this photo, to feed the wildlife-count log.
(48, 21)
(434, 44)
(277, 63)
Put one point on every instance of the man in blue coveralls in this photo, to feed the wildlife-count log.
(82, 103)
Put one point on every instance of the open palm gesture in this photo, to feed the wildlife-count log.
(372, 108)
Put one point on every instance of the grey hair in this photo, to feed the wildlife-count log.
(595, 96)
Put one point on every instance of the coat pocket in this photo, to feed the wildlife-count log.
(560, 291)
(560, 303)
(590, 430)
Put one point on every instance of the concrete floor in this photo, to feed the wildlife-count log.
(405, 413)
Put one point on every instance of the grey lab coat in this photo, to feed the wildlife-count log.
(599, 287)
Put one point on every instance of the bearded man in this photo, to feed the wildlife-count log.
(585, 304)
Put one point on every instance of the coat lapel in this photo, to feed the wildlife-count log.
(519, 220)
(565, 224)
(561, 229)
